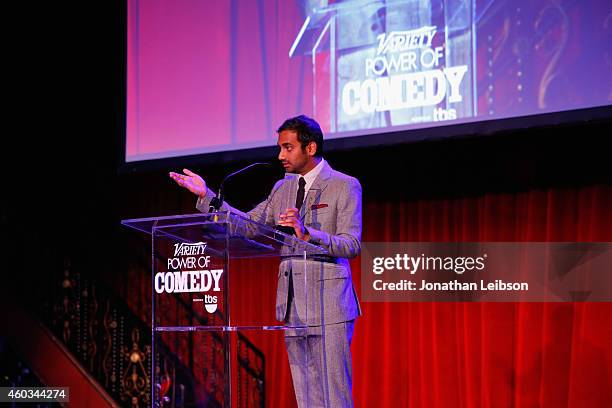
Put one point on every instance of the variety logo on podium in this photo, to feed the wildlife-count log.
(189, 271)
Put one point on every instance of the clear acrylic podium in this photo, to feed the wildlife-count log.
(193, 353)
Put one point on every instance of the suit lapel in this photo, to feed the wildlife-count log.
(315, 191)
(314, 195)
(290, 195)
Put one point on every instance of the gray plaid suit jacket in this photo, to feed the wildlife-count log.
(332, 214)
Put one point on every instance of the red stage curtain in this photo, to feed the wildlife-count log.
(470, 354)
(459, 354)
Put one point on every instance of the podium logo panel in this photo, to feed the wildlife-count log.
(190, 270)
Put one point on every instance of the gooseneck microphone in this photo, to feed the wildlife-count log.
(217, 202)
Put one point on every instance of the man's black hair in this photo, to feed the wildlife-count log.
(307, 129)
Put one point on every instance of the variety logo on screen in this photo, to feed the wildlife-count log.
(408, 71)
(189, 271)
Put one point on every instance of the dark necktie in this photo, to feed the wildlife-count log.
(300, 193)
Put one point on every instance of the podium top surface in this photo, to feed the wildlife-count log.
(240, 236)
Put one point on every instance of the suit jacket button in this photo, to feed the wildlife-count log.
(286, 273)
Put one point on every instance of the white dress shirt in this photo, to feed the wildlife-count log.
(311, 176)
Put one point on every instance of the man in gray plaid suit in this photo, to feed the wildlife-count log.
(322, 206)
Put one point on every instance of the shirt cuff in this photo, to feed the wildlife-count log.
(203, 204)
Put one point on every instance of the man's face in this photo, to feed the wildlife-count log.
(292, 156)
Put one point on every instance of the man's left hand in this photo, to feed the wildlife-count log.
(291, 218)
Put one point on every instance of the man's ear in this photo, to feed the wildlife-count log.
(312, 148)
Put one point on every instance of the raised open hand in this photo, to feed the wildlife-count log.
(191, 181)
